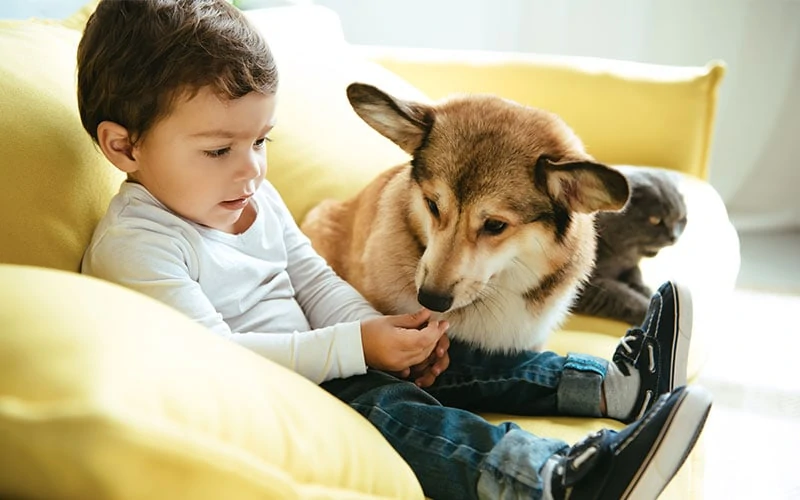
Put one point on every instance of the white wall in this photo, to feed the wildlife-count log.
(52, 9)
(757, 141)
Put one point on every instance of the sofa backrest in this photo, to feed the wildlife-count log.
(54, 183)
(625, 112)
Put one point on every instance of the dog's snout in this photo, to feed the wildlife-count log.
(434, 301)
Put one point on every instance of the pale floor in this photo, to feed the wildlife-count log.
(752, 436)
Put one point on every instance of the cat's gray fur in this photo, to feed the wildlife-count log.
(615, 289)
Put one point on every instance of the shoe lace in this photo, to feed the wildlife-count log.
(585, 449)
(628, 338)
(588, 453)
(633, 335)
(580, 454)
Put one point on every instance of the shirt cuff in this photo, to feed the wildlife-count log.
(352, 350)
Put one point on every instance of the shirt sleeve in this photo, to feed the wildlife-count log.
(156, 265)
(325, 298)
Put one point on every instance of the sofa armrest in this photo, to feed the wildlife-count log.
(108, 393)
(625, 112)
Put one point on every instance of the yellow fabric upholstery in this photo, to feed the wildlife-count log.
(54, 184)
(625, 112)
(104, 393)
(131, 399)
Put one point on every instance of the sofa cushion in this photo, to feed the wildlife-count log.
(54, 184)
(106, 393)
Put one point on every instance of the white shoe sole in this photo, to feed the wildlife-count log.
(673, 445)
(685, 320)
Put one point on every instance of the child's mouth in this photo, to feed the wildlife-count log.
(236, 204)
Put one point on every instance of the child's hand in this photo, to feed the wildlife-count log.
(394, 343)
(425, 373)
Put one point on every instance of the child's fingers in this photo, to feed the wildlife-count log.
(417, 357)
(403, 374)
(420, 368)
(441, 365)
(430, 335)
(411, 340)
(426, 380)
(428, 377)
(410, 320)
(415, 346)
(443, 344)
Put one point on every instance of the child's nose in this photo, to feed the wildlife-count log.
(251, 166)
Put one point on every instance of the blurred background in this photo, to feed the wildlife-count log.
(757, 138)
(754, 162)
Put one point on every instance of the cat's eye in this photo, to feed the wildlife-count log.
(494, 226)
(432, 207)
(655, 220)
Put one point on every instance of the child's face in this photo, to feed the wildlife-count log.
(207, 157)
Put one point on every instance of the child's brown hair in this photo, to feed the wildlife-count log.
(137, 56)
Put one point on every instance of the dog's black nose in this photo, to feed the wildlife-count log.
(434, 301)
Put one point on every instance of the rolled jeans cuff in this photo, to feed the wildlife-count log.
(579, 390)
(512, 469)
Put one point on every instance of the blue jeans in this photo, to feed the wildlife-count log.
(456, 453)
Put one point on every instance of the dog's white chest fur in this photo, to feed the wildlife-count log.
(505, 322)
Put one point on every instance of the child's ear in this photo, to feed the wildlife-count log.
(115, 142)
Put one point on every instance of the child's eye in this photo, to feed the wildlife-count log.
(217, 153)
(260, 143)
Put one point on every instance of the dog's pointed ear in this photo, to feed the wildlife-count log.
(583, 186)
(406, 123)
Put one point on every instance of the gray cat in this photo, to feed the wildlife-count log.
(653, 218)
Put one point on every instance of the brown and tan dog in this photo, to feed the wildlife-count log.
(491, 224)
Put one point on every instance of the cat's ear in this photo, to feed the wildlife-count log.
(582, 186)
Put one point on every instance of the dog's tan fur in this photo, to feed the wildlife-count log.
(475, 159)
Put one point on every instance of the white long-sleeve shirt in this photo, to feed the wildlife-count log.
(265, 289)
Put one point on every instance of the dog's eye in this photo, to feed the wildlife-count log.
(494, 226)
(655, 220)
(432, 207)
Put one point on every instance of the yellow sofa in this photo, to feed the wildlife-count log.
(105, 393)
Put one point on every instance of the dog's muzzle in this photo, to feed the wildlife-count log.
(434, 301)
